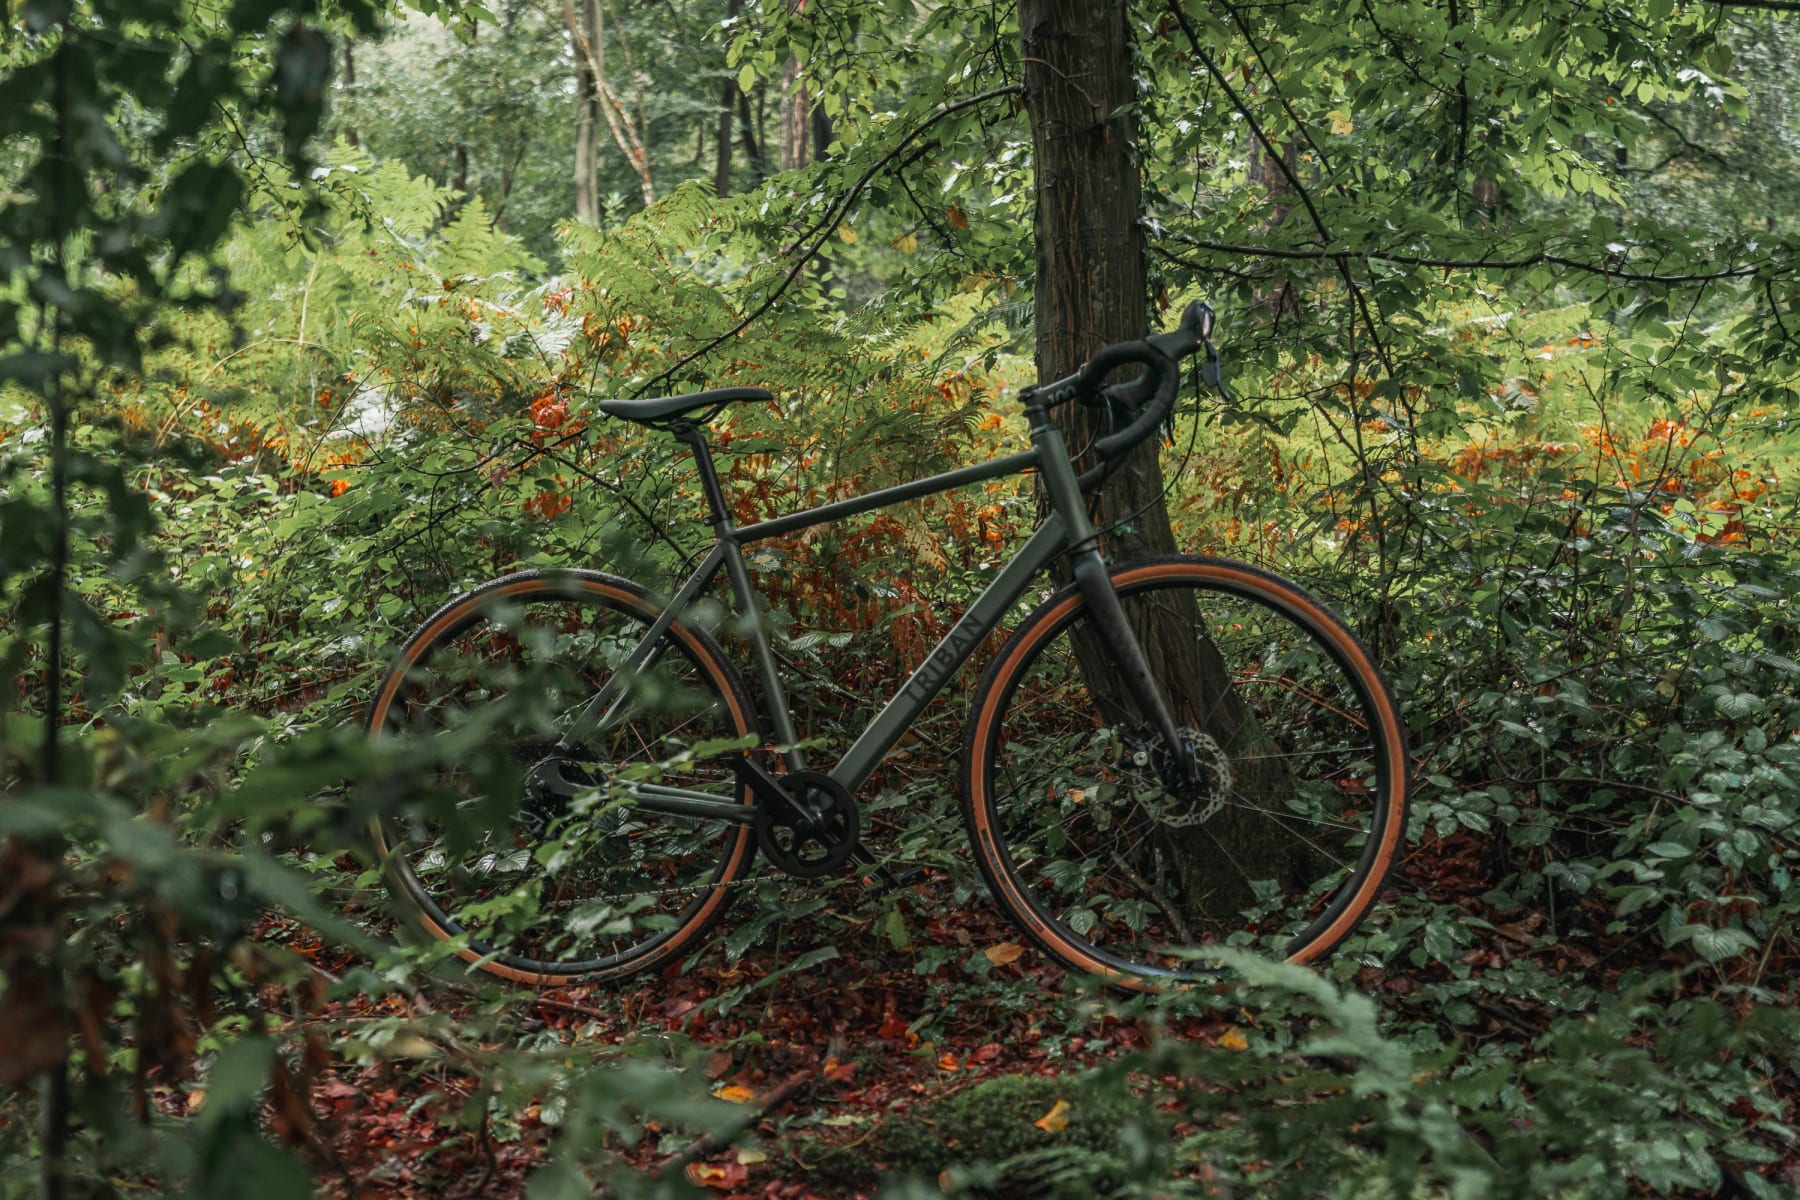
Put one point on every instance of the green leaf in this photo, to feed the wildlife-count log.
(895, 928)
(1714, 945)
(237, 1078)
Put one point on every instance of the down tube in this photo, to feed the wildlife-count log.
(860, 761)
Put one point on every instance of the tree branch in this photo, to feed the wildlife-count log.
(1541, 258)
(823, 229)
(1237, 102)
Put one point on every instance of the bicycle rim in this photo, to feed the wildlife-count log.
(1116, 866)
(528, 852)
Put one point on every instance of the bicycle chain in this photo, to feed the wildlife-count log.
(693, 889)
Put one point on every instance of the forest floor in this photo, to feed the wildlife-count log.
(829, 1062)
(817, 1058)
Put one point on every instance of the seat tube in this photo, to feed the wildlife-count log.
(689, 435)
(781, 721)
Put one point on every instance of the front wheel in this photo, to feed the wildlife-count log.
(514, 832)
(1119, 863)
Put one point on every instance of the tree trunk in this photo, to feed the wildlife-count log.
(727, 100)
(589, 36)
(752, 132)
(350, 87)
(1091, 287)
(1091, 290)
(587, 130)
(794, 112)
(821, 131)
(1274, 177)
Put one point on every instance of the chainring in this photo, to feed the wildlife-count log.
(823, 850)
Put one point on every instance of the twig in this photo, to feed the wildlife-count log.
(824, 229)
(581, 1010)
(712, 1143)
(1155, 894)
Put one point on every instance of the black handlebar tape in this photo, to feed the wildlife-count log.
(1168, 381)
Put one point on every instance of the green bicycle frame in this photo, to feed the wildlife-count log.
(1067, 529)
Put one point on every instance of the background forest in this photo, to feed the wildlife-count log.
(304, 311)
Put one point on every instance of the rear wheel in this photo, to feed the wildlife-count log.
(525, 848)
(1115, 862)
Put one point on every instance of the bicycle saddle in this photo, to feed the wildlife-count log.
(664, 408)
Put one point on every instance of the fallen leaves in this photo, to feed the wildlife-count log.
(1004, 953)
(1056, 1120)
(723, 1177)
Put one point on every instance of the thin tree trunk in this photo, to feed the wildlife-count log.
(1091, 290)
(350, 87)
(793, 117)
(795, 111)
(509, 170)
(728, 98)
(1266, 171)
(590, 44)
(751, 133)
(587, 126)
(822, 132)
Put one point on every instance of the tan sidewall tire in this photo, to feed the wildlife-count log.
(623, 594)
(1046, 623)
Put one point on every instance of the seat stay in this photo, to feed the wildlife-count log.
(603, 707)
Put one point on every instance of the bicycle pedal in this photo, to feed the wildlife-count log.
(886, 879)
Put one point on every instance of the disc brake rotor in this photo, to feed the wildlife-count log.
(1163, 792)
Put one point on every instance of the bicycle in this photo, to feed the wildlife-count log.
(1249, 783)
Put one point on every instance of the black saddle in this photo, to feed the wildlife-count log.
(664, 409)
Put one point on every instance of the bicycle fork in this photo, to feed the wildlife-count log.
(1091, 577)
(1128, 655)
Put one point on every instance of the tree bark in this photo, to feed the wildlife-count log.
(794, 122)
(728, 98)
(822, 132)
(795, 111)
(752, 130)
(1091, 287)
(587, 130)
(350, 87)
(1091, 290)
(589, 37)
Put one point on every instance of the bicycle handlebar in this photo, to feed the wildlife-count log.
(1149, 398)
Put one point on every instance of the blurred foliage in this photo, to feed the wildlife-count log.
(1509, 325)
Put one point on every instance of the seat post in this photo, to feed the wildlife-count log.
(689, 435)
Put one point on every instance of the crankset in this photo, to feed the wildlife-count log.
(815, 833)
